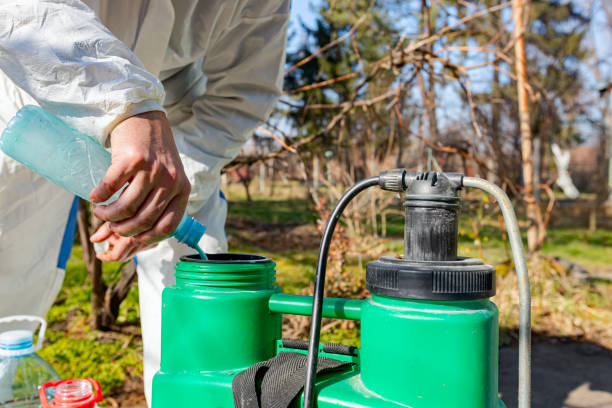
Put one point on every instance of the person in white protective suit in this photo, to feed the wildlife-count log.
(115, 70)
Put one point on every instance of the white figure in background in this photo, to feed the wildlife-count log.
(564, 180)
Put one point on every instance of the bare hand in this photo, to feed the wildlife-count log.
(151, 206)
(121, 249)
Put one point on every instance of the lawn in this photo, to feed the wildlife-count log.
(281, 228)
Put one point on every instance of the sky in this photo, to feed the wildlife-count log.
(601, 36)
(301, 9)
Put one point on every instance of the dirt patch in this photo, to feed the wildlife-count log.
(131, 396)
(565, 374)
(273, 237)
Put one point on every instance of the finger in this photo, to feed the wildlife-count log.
(148, 214)
(116, 176)
(128, 202)
(120, 249)
(167, 223)
(102, 234)
(127, 255)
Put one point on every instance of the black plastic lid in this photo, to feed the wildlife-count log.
(227, 258)
(463, 279)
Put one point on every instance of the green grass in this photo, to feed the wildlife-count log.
(593, 250)
(275, 211)
(75, 350)
(89, 356)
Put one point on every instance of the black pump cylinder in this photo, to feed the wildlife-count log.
(430, 268)
(432, 213)
(436, 242)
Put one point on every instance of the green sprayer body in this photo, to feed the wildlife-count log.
(215, 322)
(433, 348)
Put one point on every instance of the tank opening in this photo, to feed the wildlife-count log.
(228, 258)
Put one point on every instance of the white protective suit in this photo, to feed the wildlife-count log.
(97, 62)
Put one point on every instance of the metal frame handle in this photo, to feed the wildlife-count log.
(29, 318)
(520, 264)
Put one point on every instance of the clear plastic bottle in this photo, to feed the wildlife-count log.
(72, 160)
(22, 371)
(77, 393)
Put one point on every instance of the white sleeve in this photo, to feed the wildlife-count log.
(73, 66)
(244, 70)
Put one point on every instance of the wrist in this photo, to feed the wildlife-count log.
(132, 110)
(139, 127)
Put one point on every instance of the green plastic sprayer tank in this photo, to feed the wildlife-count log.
(429, 333)
(215, 322)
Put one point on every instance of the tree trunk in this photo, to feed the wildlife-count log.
(244, 175)
(105, 299)
(315, 172)
(262, 177)
(607, 6)
(495, 139)
(115, 294)
(399, 161)
(607, 149)
(272, 177)
(93, 264)
(518, 10)
(428, 94)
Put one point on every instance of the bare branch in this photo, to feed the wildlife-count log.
(278, 139)
(328, 46)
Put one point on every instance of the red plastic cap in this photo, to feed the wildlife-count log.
(77, 393)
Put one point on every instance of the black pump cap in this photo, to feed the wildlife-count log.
(463, 279)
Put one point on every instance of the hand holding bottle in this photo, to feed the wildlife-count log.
(144, 175)
(151, 206)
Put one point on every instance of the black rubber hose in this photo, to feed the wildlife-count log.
(315, 323)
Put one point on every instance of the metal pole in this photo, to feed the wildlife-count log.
(520, 264)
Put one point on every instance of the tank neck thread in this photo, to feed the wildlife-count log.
(226, 271)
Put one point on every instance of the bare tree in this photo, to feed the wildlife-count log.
(106, 298)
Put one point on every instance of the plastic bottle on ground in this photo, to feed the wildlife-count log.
(76, 393)
(22, 371)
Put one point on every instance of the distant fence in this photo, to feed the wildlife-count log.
(577, 213)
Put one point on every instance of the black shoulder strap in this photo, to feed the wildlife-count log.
(275, 383)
